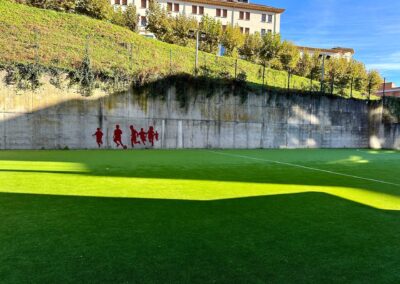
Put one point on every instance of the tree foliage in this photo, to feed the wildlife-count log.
(158, 21)
(212, 30)
(181, 25)
(232, 39)
(271, 47)
(250, 50)
(131, 18)
(99, 9)
(289, 56)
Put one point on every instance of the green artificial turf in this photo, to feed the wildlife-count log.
(198, 216)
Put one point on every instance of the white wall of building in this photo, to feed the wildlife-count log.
(254, 24)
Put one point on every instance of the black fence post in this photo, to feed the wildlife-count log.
(170, 61)
(236, 65)
(351, 87)
(384, 87)
(263, 77)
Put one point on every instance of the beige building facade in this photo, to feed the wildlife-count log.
(336, 52)
(249, 17)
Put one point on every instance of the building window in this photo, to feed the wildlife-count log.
(225, 13)
(263, 32)
(247, 16)
(117, 2)
(218, 12)
(241, 15)
(201, 10)
(269, 18)
(241, 29)
(143, 21)
(263, 18)
(194, 9)
(269, 31)
(247, 31)
(144, 4)
(176, 7)
(125, 2)
(169, 6)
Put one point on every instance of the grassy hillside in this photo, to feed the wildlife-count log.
(63, 38)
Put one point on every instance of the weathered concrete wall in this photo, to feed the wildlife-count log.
(53, 118)
(384, 128)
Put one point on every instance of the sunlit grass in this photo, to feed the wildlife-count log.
(180, 189)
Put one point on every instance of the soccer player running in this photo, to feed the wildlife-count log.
(118, 136)
(134, 135)
(99, 137)
(142, 136)
(151, 135)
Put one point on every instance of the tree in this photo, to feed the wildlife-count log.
(342, 78)
(357, 74)
(99, 9)
(336, 75)
(315, 68)
(212, 31)
(181, 26)
(58, 5)
(158, 22)
(251, 47)
(131, 17)
(271, 48)
(289, 57)
(117, 17)
(374, 80)
(304, 65)
(231, 39)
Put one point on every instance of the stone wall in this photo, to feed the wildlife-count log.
(53, 118)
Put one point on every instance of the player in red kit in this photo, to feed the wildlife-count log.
(142, 136)
(99, 137)
(156, 135)
(118, 136)
(134, 135)
(150, 135)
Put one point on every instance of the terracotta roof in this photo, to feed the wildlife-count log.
(331, 50)
(238, 5)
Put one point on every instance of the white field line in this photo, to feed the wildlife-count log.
(307, 168)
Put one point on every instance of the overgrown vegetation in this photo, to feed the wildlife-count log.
(98, 9)
(392, 110)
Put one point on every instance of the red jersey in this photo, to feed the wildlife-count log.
(117, 133)
(98, 135)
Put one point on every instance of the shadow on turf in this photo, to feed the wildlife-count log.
(276, 239)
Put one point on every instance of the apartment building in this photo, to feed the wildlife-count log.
(249, 17)
(336, 52)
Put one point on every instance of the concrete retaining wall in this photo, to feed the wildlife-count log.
(52, 118)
